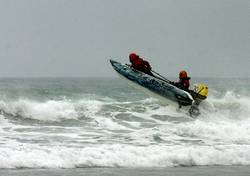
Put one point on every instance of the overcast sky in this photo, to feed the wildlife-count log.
(40, 38)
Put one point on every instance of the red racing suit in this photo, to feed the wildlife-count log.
(141, 65)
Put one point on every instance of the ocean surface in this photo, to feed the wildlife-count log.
(92, 123)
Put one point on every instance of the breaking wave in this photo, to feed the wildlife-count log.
(229, 106)
(51, 110)
(117, 155)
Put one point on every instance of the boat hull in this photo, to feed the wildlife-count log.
(153, 86)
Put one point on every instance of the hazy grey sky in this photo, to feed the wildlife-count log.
(77, 37)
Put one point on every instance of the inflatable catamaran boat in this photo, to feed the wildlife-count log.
(162, 89)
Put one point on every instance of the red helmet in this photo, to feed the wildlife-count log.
(183, 74)
(133, 57)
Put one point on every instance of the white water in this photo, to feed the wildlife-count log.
(110, 133)
(122, 156)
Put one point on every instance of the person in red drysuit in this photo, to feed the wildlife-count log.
(140, 64)
(183, 81)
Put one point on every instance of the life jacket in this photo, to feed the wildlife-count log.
(183, 83)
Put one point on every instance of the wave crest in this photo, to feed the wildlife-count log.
(52, 110)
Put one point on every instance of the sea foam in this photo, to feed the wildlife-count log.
(117, 155)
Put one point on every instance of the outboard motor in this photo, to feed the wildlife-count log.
(199, 94)
(202, 90)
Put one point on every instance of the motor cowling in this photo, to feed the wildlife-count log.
(201, 89)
